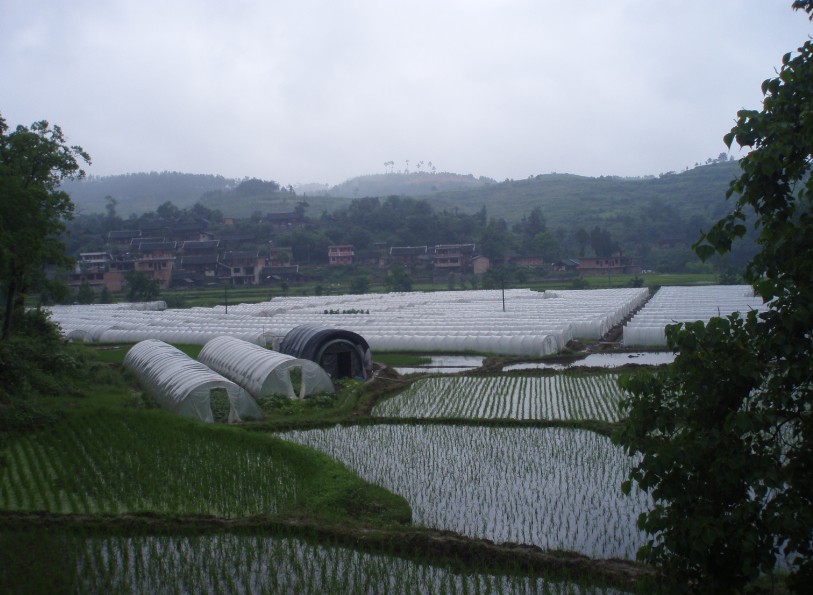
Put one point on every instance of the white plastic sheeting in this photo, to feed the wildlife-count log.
(184, 385)
(533, 323)
(262, 372)
(686, 304)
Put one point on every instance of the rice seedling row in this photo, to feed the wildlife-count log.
(106, 463)
(562, 396)
(233, 563)
(551, 487)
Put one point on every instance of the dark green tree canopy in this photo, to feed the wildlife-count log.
(727, 432)
(33, 161)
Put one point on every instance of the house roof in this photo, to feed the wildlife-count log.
(155, 224)
(240, 255)
(201, 245)
(462, 248)
(198, 259)
(236, 237)
(157, 246)
(189, 225)
(408, 250)
(123, 234)
(145, 240)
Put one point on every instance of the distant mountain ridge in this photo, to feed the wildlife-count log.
(407, 184)
(565, 199)
(142, 192)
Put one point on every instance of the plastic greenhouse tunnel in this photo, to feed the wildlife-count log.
(187, 387)
(263, 372)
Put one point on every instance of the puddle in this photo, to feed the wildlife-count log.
(602, 360)
(446, 364)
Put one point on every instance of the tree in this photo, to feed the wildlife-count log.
(602, 242)
(168, 211)
(85, 294)
(359, 285)
(582, 239)
(398, 280)
(727, 432)
(141, 288)
(33, 161)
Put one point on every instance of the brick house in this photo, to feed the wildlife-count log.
(156, 260)
(617, 264)
(241, 268)
(453, 257)
(409, 256)
(340, 254)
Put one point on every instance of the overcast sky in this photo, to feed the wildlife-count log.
(324, 90)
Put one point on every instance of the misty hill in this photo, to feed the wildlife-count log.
(142, 192)
(407, 184)
(566, 200)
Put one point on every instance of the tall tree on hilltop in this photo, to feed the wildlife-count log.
(33, 161)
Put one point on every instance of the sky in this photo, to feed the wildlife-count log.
(320, 91)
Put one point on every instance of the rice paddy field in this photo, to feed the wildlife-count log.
(249, 564)
(449, 455)
(555, 488)
(561, 396)
(112, 463)
(106, 463)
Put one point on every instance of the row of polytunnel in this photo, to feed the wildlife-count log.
(227, 368)
(530, 323)
(686, 304)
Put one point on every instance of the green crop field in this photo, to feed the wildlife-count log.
(349, 494)
(550, 487)
(561, 396)
(239, 563)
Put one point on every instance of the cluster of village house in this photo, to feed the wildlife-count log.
(185, 254)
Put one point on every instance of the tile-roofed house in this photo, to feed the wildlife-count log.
(617, 264)
(156, 260)
(200, 246)
(135, 243)
(340, 254)
(241, 267)
(454, 257)
(188, 229)
(122, 237)
(410, 256)
(199, 266)
(154, 227)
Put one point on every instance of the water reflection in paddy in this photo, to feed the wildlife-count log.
(445, 364)
(602, 360)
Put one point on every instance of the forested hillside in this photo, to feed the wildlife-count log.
(407, 184)
(141, 192)
(566, 200)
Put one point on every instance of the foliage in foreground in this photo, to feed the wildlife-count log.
(33, 161)
(727, 434)
(34, 362)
